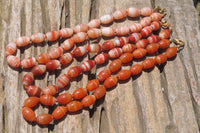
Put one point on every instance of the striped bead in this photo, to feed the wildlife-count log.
(22, 41)
(44, 119)
(33, 90)
(101, 58)
(115, 65)
(134, 37)
(79, 93)
(67, 44)
(137, 27)
(28, 62)
(11, 48)
(66, 58)
(50, 90)
(119, 14)
(123, 74)
(165, 34)
(133, 12)
(156, 16)
(62, 81)
(155, 25)
(106, 19)
(99, 92)
(92, 85)
(128, 48)
(94, 33)
(146, 21)
(148, 63)
(65, 32)
(52, 35)
(142, 43)
(80, 37)
(80, 28)
(28, 79)
(160, 59)
(164, 43)
(136, 69)
(110, 82)
(126, 57)
(95, 23)
(79, 51)
(47, 100)
(88, 100)
(108, 45)
(153, 39)
(152, 48)
(28, 114)
(38, 70)
(13, 61)
(146, 11)
(59, 112)
(52, 64)
(94, 48)
(74, 106)
(115, 52)
(87, 65)
(139, 53)
(38, 37)
(121, 41)
(56, 52)
(74, 71)
(64, 98)
(146, 31)
(108, 32)
(121, 31)
(103, 75)
(43, 58)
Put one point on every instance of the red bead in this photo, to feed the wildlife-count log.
(94, 33)
(115, 65)
(95, 23)
(66, 58)
(108, 45)
(74, 71)
(66, 32)
(142, 43)
(52, 64)
(164, 43)
(80, 37)
(31, 102)
(119, 14)
(79, 93)
(43, 58)
(165, 34)
(107, 32)
(126, 57)
(123, 74)
(152, 48)
(56, 52)
(134, 37)
(136, 69)
(94, 48)
(88, 65)
(44, 119)
(92, 85)
(52, 35)
(64, 98)
(106, 19)
(38, 38)
(63, 80)
(33, 90)
(13, 61)
(155, 25)
(153, 39)
(28, 114)
(121, 41)
(22, 41)
(79, 51)
(115, 53)
(59, 112)
(122, 31)
(110, 82)
(80, 28)
(38, 70)
(99, 92)
(133, 12)
(11, 48)
(101, 58)
(146, 31)
(160, 59)
(67, 44)
(128, 48)
(171, 52)
(28, 62)
(148, 63)
(146, 21)
(88, 100)
(28, 79)
(74, 106)
(103, 75)
(156, 16)
(47, 100)
(139, 53)
(146, 11)
(136, 27)
(50, 90)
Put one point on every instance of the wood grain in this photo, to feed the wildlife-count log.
(165, 99)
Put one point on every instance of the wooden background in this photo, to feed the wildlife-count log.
(155, 102)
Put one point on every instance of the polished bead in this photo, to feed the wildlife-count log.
(74, 71)
(94, 48)
(31, 102)
(44, 119)
(94, 33)
(106, 19)
(146, 21)
(33, 90)
(142, 43)
(28, 114)
(165, 34)
(47, 100)
(67, 44)
(146, 11)
(38, 70)
(38, 37)
(80, 28)
(123, 74)
(52, 35)
(155, 25)
(80, 37)
(164, 43)
(126, 57)
(66, 32)
(152, 48)
(108, 45)
(22, 41)
(50, 90)
(79, 51)
(52, 64)
(146, 31)
(13, 61)
(87, 65)
(101, 58)
(56, 52)
(43, 58)
(99, 92)
(122, 31)
(115, 53)
(28, 79)
(148, 63)
(121, 41)
(110, 82)
(134, 28)
(119, 14)
(79, 93)
(103, 75)
(28, 62)
(153, 39)
(88, 100)
(11, 48)
(59, 112)
(133, 12)
(115, 65)
(128, 48)
(95, 23)
(74, 106)
(136, 69)
(62, 81)
(107, 32)
(139, 53)
(64, 98)
(66, 58)
(92, 85)
(171, 52)
(156, 16)
(160, 59)
(134, 37)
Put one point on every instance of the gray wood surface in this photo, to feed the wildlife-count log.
(165, 101)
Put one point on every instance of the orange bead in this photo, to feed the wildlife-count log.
(92, 85)
(128, 48)
(136, 27)
(43, 58)
(115, 53)
(28, 79)
(52, 64)
(62, 81)
(115, 65)
(156, 16)
(146, 11)
(52, 35)
(126, 57)
(79, 51)
(59, 112)
(146, 21)
(22, 41)
(139, 53)
(13, 61)
(38, 38)
(64, 98)
(133, 12)
(47, 100)
(153, 39)
(11, 48)
(94, 33)
(146, 31)
(50, 90)
(108, 45)
(33, 90)
(79, 93)
(164, 43)
(165, 34)
(80, 28)
(152, 48)
(123, 74)
(74, 106)
(87, 65)
(74, 71)
(122, 31)
(67, 44)
(110, 82)
(66, 58)
(103, 75)
(28, 114)
(88, 100)
(95, 23)
(160, 59)
(65, 32)
(99, 92)
(148, 63)
(171, 52)
(142, 43)
(80, 37)
(136, 69)
(155, 25)
(101, 58)
(106, 19)
(31, 102)
(121, 41)
(38, 70)
(56, 52)
(28, 62)
(119, 14)
(107, 32)
(134, 37)
(44, 119)
(94, 48)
